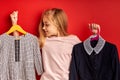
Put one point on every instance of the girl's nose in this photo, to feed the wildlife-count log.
(43, 28)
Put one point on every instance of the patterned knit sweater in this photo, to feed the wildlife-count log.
(14, 66)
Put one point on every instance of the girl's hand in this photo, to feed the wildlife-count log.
(95, 28)
(14, 17)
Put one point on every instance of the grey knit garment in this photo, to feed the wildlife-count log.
(29, 58)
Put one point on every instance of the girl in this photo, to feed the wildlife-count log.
(56, 45)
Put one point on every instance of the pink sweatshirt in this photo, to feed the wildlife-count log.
(56, 55)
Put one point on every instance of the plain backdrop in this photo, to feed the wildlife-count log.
(80, 13)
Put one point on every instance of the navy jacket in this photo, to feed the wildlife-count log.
(103, 65)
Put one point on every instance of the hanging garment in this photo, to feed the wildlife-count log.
(56, 55)
(119, 70)
(97, 60)
(19, 58)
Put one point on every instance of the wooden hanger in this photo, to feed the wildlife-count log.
(16, 28)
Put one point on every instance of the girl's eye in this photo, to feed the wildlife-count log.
(46, 24)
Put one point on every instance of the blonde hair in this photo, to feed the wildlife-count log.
(58, 18)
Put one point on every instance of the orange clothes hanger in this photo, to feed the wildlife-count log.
(16, 28)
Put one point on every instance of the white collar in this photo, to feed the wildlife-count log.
(89, 49)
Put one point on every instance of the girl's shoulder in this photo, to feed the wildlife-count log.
(74, 38)
(71, 38)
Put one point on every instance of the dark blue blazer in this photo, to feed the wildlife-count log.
(102, 66)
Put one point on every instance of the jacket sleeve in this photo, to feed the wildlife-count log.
(74, 66)
(37, 58)
(119, 70)
(115, 64)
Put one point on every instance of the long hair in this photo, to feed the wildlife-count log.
(58, 18)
